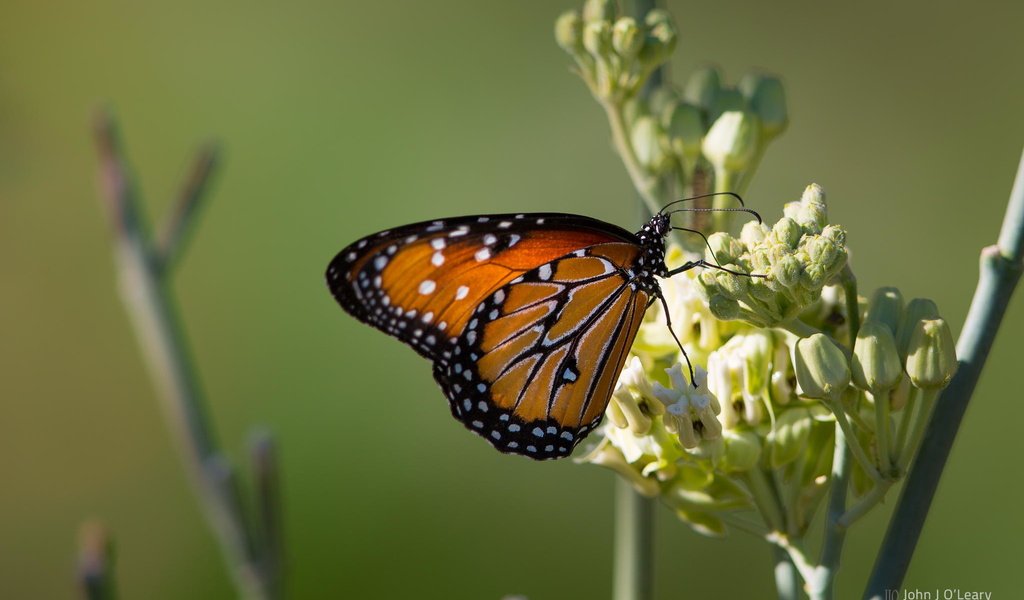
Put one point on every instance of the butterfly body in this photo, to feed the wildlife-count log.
(527, 318)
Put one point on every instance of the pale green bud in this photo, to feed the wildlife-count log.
(626, 38)
(917, 310)
(742, 451)
(647, 138)
(727, 100)
(661, 37)
(821, 368)
(597, 39)
(767, 99)
(787, 271)
(753, 233)
(757, 351)
(724, 309)
(886, 308)
(598, 10)
(731, 142)
(789, 436)
(569, 32)
(702, 87)
(931, 354)
(787, 232)
(725, 248)
(876, 363)
(732, 286)
(685, 129)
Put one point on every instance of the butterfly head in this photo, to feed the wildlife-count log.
(652, 242)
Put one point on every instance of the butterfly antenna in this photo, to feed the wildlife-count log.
(704, 237)
(711, 195)
(749, 211)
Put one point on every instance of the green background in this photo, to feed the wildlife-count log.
(343, 118)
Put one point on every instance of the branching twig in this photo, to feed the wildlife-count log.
(146, 294)
(1001, 267)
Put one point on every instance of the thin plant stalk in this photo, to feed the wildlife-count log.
(634, 544)
(1001, 267)
(145, 289)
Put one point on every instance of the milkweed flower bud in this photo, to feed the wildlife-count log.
(648, 139)
(691, 413)
(598, 10)
(742, 451)
(789, 435)
(876, 363)
(886, 308)
(731, 141)
(626, 38)
(661, 38)
(569, 32)
(702, 87)
(767, 99)
(597, 39)
(931, 354)
(727, 100)
(918, 309)
(811, 211)
(821, 368)
(685, 130)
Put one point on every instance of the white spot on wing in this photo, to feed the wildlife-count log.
(437, 259)
(427, 287)
(544, 272)
(482, 254)
(461, 292)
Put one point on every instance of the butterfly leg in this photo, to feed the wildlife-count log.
(668, 323)
(693, 264)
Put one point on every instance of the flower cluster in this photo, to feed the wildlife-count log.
(775, 377)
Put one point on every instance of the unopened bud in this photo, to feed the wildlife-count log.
(886, 308)
(821, 368)
(597, 39)
(702, 87)
(661, 37)
(569, 32)
(876, 363)
(917, 310)
(732, 141)
(626, 38)
(598, 10)
(931, 354)
(647, 137)
(767, 99)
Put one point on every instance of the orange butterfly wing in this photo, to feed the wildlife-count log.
(421, 282)
(539, 359)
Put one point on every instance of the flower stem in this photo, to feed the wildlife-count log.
(881, 401)
(634, 544)
(1001, 267)
(145, 289)
(787, 582)
(925, 400)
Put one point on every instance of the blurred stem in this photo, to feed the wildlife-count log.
(1001, 267)
(910, 416)
(881, 402)
(646, 185)
(146, 293)
(787, 580)
(634, 544)
(96, 562)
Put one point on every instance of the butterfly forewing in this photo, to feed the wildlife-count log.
(422, 282)
(538, 359)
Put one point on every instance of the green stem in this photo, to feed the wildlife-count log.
(787, 579)
(909, 416)
(866, 502)
(634, 547)
(1001, 267)
(855, 446)
(645, 184)
(146, 293)
(798, 328)
(725, 181)
(925, 402)
(881, 401)
(765, 499)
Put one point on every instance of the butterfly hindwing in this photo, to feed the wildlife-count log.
(421, 282)
(538, 358)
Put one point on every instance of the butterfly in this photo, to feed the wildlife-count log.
(527, 318)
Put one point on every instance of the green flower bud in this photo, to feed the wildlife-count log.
(598, 10)
(724, 309)
(810, 211)
(757, 350)
(886, 308)
(931, 354)
(685, 129)
(767, 99)
(702, 87)
(732, 141)
(742, 451)
(876, 363)
(626, 38)
(730, 285)
(821, 368)
(661, 37)
(917, 310)
(724, 248)
(569, 32)
(647, 138)
(787, 271)
(788, 438)
(727, 100)
(597, 39)
(787, 232)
